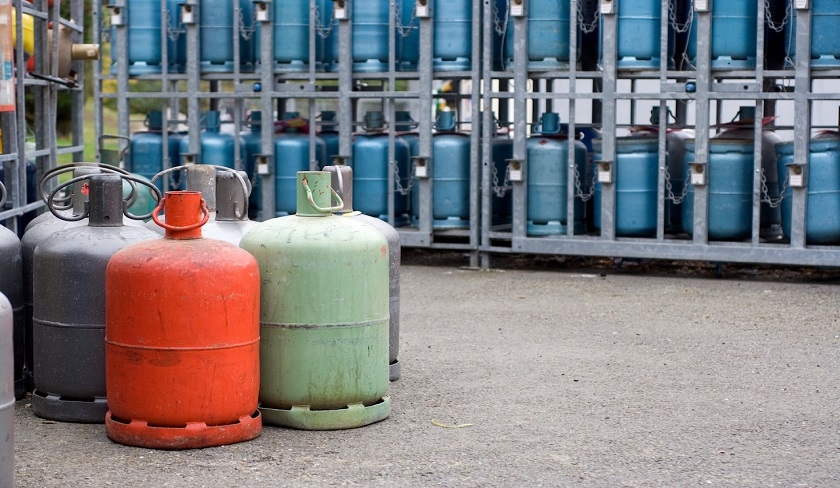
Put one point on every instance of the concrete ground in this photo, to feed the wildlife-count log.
(546, 372)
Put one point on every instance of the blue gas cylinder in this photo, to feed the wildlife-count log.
(822, 178)
(143, 30)
(145, 157)
(453, 35)
(371, 168)
(825, 44)
(216, 147)
(729, 177)
(407, 131)
(450, 177)
(408, 36)
(733, 35)
(216, 28)
(548, 36)
(371, 26)
(636, 180)
(326, 28)
(291, 36)
(548, 178)
(329, 134)
(291, 154)
(251, 140)
(638, 39)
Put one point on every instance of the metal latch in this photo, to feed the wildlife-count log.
(189, 10)
(515, 167)
(117, 13)
(421, 9)
(608, 7)
(340, 9)
(802, 4)
(263, 164)
(796, 175)
(701, 5)
(263, 12)
(517, 8)
(421, 167)
(697, 174)
(605, 171)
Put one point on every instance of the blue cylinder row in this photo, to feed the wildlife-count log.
(145, 157)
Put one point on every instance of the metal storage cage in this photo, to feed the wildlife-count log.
(34, 144)
(599, 83)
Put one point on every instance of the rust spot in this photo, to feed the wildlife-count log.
(543, 142)
(383, 251)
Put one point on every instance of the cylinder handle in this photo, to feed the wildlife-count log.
(311, 199)
(205, 212)
(132, 180)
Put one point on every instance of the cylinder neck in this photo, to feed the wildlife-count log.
(446, 121)
(230, 197)
(256, 121)
(550, 123)
(319, 183)
(154, 120)
(183, 209)
(106, 201)
(212, 121)
(746, 113)
(202, 179)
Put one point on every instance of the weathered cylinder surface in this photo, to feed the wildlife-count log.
(182, 338)
(7, 396)
(323, 315)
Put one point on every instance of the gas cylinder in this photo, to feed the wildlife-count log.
(548, 36)
(638, 37)
(11, 285)
(453, 35)
(502, 201)
(231, 223)
(675, 141)
(46, 225)
(291, 154)
(324, 295)
(371, 26)
(408, 36)
(825, 44)
(729, 181)
(143, 30)
(326, 28)
(822, 226)
(342, 181)
(68, 315)
(182, 337)
(548, 177)
(371, 167)
(145, 158)
(291, 37)
(733, 35)
(407, 131)
(216, 36)
(31, 194)
(450, 177)
(7, 396)
(744, 129)
(329, 134)
(176, 42)
(200, 178)
(217, 148)
(251, 147)
(636, 177)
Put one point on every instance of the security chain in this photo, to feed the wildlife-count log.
(399, 188)
(323, 32)
(765, 195)
(246, 32)
(584, 27)
(501, 28)
(590, 191)
(500, 191)
(669, 189)
(672, 15)
(173, 32)
(768, 16)
(404, 30)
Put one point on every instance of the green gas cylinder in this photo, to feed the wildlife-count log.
(323, 314)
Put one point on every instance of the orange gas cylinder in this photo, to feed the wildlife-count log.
(182, 337)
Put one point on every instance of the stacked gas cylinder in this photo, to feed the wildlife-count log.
(123, 321)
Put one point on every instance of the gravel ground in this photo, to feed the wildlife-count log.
(559, 372)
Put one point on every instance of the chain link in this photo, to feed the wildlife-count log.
(323, 32)
(669, 189)
(590, 191)
(584, 27)
(765, 194)
(500, 191)
(399, 188)
(769, 17)
(105, 30)
(173, 32)
(672, 15)
(405, 30)
(245, 32)
(501, 28)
